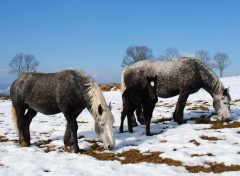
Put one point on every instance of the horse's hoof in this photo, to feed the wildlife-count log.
(130, 131)
(149, 134)
(121, 130)
(72, 149)
(24, 144)
(180, 122)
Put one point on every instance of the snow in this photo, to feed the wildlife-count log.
(174, 141)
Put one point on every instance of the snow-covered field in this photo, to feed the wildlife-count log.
(197, 146)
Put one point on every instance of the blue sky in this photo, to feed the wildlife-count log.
(92, 35)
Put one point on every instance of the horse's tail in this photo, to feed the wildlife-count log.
(123, 86)
(14, 115)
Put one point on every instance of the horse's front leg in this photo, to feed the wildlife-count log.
(70, 137)
(178, 113)
(140, 115)
(148, 116)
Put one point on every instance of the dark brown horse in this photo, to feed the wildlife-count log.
(69, 92)
(181, 77)
(139, 98)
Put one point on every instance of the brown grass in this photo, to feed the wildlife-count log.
(235, 101)
(197, 155)
(188, 104)
(5, 97)
(82, 122)
(203, 120)
(195, 142)
(162, 120)
(166, 105)
(199, 101)
(200, 107)
(216, 168)
(135, 156)
(3, 139)
(210, 138)
(220, 125)
(110, 86)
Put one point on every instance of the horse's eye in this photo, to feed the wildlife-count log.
(225, 103)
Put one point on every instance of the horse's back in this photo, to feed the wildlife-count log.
(172, 75)
(49, 93)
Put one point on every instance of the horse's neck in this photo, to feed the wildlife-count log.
(212, 84)
(94, 98)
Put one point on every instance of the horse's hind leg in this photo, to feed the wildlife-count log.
(129, 115)
(178, 113)
(123, 115)
(140, 115)
(126, 106)
(23, 123)
(28, 119)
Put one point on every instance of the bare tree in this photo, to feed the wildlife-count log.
(23, 63)
(135, 54)
(170, 53)
(222, 61)
(204, 57)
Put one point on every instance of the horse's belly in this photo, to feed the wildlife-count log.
(45, 109)
(163, 93)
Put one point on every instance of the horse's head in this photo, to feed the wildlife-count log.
(152, 86)
(104, 126)
(221, 104)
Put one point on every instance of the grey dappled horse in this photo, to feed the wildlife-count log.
(69, 92)
(180, 77)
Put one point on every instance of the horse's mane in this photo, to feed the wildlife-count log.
(93, 96)
(216, 85)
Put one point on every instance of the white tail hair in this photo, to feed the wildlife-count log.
(123, 86)
(14, 115)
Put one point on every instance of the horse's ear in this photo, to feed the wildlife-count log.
(100, 110)
(226, 91)
(110, 106)
(147, 77)
(155, 77)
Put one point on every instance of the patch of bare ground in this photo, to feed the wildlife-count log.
(200, 107)
(110, 86)
(215, 168)
(210, 138)
(203, 120)
(162, 120)
(166, 105)
(3, 139)
(197, 155)
(188, 104)
(135, 156)
(220, 125)
(237, 100)
(82, 122)
(216, 124)
(195, 142)
(5, 97)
